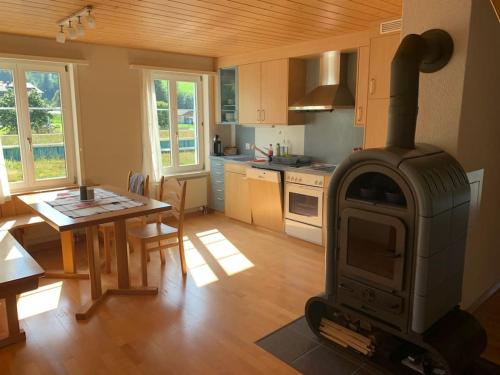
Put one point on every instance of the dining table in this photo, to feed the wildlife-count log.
(84, 216)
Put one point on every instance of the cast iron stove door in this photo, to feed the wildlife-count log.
(372, 248)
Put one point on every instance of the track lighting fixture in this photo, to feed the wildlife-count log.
(61, 37)
(80, 30)
(74, 25)
(90, 19)
(71, 30)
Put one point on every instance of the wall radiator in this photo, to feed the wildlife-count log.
(196, 193)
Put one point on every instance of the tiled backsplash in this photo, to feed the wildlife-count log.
(245, 135)
(331, 136)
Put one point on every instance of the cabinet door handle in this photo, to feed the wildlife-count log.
(360, 113)
(263, 114)
(372, 86)
(258, 115)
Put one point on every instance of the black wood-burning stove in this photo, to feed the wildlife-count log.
(397, 225)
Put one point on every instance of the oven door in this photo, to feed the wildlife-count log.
(372, 247)
(304, 204)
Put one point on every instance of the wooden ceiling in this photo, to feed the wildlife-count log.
(201, 27)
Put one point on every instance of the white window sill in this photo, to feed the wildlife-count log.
(34, 190)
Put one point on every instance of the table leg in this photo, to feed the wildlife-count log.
(121, 254)
(94, 261)
(69, 260)
(16, 334)
(92, 240)
(122, 265)
(68, 251)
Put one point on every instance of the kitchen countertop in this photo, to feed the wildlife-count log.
(250, 161)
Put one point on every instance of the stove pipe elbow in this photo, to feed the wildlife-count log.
(426, 53)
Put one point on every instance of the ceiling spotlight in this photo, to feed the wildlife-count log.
(71, 30)
(79, 27)
(90, 19)
(61, 37)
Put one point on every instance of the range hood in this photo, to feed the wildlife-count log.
(332, 92)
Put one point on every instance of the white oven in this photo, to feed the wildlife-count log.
(304, 206)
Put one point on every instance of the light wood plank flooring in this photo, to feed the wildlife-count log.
(243, 283)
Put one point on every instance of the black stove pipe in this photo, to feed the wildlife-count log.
(426, 53)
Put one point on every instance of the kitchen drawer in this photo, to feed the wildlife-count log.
(217, 186)
(218, 191)
(217, 163)
(236, 168)
(217, 173)
(217, 178)
(218, 203)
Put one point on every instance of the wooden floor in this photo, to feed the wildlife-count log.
(242, 284)
(255, 282)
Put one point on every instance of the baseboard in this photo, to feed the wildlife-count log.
(479, 301)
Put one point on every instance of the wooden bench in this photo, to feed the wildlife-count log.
(19, 273)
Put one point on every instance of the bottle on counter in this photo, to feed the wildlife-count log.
(278, 150)
(270, 150)
(217, 146)
(287, 149)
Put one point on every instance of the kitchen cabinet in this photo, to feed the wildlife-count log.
(217, 183)
(376, 123)
(363, 61)
(236, 193)
(266, 89)
(274, 92)
(227, 100)
(249, 93)
(382, 51)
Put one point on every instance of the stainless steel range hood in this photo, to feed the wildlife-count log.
(332, 92)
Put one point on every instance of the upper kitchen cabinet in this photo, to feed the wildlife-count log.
(249, 93)
(266, 89)
(363, 65)
(228, 101)
(382, 50)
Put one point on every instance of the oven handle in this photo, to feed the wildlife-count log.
(305, 187)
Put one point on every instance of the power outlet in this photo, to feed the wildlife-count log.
(247, 146)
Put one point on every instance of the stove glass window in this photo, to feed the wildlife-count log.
(303, 204)
(371, 247)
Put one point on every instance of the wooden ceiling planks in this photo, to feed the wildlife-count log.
(201, 27)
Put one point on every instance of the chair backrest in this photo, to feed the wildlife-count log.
(173, 192)
(138, 183)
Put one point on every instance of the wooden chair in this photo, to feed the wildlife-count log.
(158, 236)
(108, 229)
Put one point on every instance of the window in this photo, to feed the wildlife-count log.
(177, 106)
(35, 125)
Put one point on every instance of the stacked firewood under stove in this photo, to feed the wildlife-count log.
(345, 337)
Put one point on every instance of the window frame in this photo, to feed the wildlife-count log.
(172, 79)
(19, 69)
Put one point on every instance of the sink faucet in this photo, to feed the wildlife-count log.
(267, 154)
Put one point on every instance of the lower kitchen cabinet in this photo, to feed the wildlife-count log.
(236, 194)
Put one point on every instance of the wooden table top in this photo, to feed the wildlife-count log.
(15, 262)
(60, 222)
